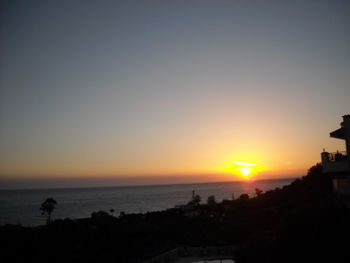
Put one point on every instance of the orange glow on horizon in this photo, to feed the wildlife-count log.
(245, 170)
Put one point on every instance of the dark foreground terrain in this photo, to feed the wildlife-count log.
(303, 222)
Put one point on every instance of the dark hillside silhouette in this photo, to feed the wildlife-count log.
(302, 222)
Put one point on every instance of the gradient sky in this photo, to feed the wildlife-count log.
(138, 88)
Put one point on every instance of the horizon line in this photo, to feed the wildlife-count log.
(149, 185)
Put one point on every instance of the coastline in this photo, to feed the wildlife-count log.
(300, 217)
(21, 206)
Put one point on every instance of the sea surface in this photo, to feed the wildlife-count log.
(22, 206)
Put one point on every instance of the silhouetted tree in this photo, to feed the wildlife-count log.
(196, 199)
(121, 214)
(315, 170)
(111, 211)
(258, 191)
(211, 200)
(244, 197)
(47, 208)
(99, 214)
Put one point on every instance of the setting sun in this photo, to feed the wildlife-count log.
(245, 169)
(242, 169)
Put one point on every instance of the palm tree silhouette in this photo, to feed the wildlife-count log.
(47, 208)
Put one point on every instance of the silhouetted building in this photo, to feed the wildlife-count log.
(337, 164)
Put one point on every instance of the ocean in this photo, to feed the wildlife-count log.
(22, 206)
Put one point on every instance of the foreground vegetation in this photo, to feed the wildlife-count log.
(302, 222)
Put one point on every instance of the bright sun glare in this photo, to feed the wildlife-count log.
(245, 169)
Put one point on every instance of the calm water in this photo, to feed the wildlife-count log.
(22, 206)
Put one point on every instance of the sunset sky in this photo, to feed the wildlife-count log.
(173, 91)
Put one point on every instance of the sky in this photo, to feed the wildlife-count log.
(133, 92)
